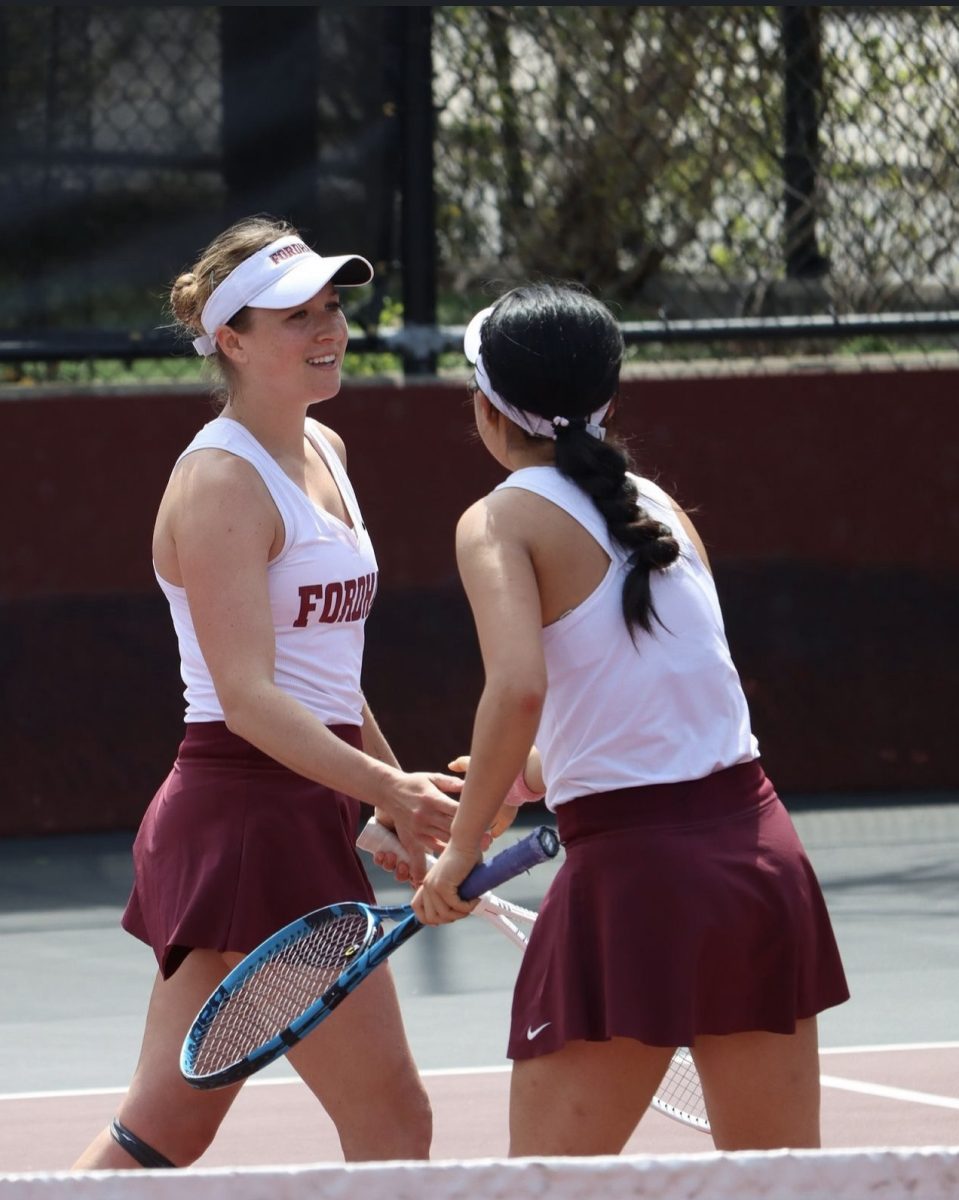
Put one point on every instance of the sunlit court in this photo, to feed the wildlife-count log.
(442, 433)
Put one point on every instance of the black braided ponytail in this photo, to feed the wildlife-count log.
(556, 351)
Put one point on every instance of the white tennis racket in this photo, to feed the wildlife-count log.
(680, 1094)
(499, 912)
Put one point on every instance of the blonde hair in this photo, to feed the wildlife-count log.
(192, 289)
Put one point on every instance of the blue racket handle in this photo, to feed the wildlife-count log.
(536, 847)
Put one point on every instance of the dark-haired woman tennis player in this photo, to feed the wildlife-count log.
(686, 912)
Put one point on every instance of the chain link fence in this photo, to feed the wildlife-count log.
(110, 139)
(738, 181)
(723, 168)
(130, 136)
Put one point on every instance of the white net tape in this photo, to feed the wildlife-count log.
(926, 1174)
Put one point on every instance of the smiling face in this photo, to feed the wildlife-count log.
(290, 352)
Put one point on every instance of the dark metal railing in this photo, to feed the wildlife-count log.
(420, 343)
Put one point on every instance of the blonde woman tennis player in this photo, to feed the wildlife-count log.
(262, 553)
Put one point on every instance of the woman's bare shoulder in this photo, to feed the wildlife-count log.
(211, 483)
(330, 435)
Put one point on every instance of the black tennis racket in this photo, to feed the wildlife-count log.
(285, 987)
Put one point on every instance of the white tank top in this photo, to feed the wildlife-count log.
(619, 715)
(321, 587)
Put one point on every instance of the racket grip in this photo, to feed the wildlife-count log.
(374, 837)
(536, 847)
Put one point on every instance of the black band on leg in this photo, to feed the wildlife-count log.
(138, 1150)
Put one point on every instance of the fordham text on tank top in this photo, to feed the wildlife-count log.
(666, 708)
(321, 587)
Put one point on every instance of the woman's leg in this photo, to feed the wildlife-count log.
(761, 1089)
(359, 1066)
(586, 1098)
(160, 1108)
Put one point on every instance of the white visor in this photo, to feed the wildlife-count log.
(532, 423)
(282, 274)
(471, 339)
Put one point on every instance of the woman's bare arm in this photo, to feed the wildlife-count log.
(223, 526)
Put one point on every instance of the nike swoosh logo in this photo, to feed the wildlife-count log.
(531, 1033)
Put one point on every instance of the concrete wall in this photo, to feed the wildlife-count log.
(829, 504)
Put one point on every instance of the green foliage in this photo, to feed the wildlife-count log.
(636, 148)
(622, 144)
(591, 142)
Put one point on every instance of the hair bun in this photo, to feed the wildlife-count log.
(184, 299)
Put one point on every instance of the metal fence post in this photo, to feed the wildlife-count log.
(270, 124)
(418, 216)
(802, 101)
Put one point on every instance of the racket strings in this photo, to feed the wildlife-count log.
(680, 1094)
(283, 985)
(680, 1091)
(489, 902)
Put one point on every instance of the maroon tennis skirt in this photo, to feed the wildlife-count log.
(680, 909)
(234, 846)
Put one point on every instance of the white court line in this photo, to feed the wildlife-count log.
(889, 1046)
(888, 1093)
(439, 1072)
(255, 1083)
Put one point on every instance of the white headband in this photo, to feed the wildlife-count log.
(282, 274)
(532, 422)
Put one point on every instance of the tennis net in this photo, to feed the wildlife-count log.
(930, 1173)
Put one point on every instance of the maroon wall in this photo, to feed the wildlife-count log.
(828, 502)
